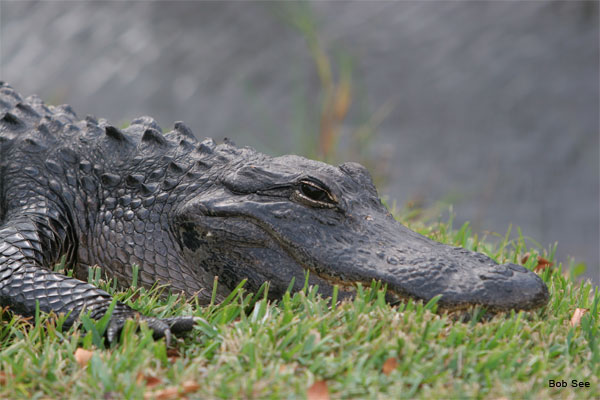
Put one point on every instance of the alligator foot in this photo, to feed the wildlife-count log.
(165, 327)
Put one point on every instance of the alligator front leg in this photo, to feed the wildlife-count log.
(29, 245)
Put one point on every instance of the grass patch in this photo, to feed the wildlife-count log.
(248, 347)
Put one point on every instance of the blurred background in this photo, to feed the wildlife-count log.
(491, 107)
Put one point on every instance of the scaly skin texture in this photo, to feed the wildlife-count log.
(187, 211)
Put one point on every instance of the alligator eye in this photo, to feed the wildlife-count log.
(312, 194)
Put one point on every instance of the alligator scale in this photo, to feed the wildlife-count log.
(186, 211)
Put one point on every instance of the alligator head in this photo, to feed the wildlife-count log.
(271, 219)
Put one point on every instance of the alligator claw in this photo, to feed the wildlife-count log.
(115, 326)
(160, 329)
(165, 327)
(181, 324)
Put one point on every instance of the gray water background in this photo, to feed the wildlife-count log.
(493, 106)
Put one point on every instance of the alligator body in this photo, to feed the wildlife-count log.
(186, 211)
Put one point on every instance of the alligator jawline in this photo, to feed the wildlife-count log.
(397, 297)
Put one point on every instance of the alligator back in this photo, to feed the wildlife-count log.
(114, 187)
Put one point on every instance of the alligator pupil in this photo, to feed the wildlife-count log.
(314, 193)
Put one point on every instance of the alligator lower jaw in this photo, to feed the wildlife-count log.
(394, 298)
(351, 288)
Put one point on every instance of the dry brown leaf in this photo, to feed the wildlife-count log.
(134, 297)
(172, 352)
(170, 392)
(389, 365)
(173, 355)
(4, 377)
(83, 356)
(164, 394)
(541, 263)
(318, 391)
(190, 386)
(577, 315)
(152, 381)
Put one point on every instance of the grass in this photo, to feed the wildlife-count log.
(248, 347)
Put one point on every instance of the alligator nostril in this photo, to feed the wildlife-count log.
(501, 270)
(497, 272)
(392, 260)
(516, 268)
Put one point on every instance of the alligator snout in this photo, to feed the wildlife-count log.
(414, 266)
(511, 286)
(463, 278)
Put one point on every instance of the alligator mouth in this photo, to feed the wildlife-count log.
(498, 288)
(349, 288)
(393, 297)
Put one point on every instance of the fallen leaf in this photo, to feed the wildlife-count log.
(318, 391)
(173, 355)
(134, 297)
(164, 394)
(172, 352)
(541, 264)
(190, 386)
(82, 356)
(4, 377)
(389, 365)
(577, 315)
(170, 392)
(151, 381)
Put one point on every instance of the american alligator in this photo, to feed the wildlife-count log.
(186, 211)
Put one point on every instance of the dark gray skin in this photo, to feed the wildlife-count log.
(187, 211)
